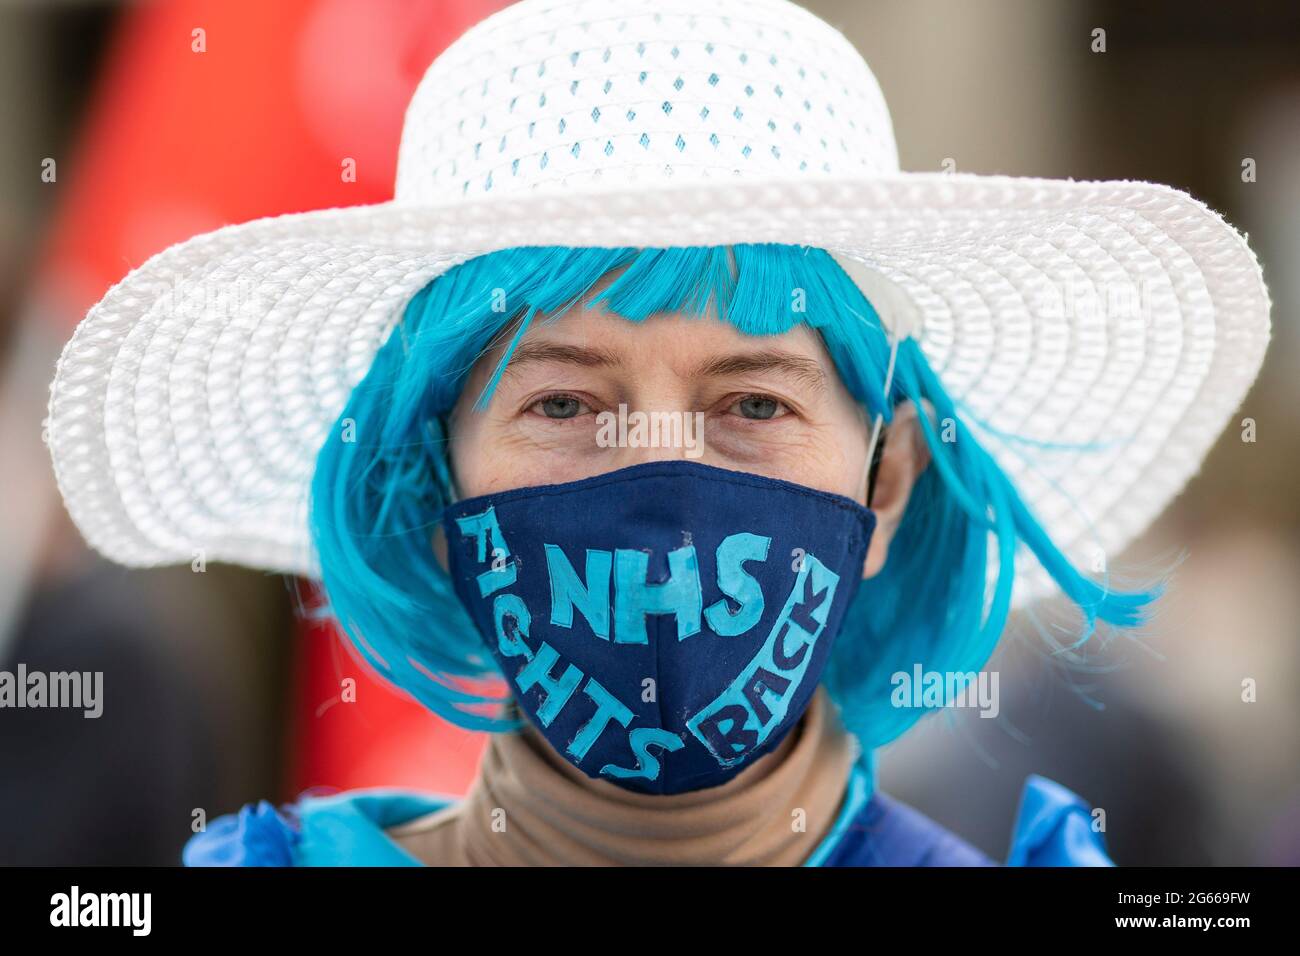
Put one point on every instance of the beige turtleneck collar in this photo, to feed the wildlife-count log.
(529, 807)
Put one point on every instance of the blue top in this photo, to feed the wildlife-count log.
(1053, 828)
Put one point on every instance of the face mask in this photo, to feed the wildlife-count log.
(662, 625)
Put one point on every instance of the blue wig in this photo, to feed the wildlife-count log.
(382, 477)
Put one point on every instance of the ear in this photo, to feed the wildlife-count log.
(905, 457)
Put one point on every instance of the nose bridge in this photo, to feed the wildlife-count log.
(662, 430)
(655, 420)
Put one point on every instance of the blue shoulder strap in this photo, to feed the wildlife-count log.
(876, 830)
(1053, 828)
(258, 835)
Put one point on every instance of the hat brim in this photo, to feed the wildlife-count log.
(187, 411)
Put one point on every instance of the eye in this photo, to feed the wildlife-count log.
(759, 407)
(558, 407)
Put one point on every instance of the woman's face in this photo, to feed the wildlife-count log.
(771, 406)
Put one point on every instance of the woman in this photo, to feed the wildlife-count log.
(661, 395)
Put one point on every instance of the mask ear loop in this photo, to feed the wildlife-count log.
(876, 447)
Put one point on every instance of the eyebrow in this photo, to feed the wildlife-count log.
(797, 367)
(582, 355)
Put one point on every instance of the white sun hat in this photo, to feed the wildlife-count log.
(1114, 327)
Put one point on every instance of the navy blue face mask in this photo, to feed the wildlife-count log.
(662, 625)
